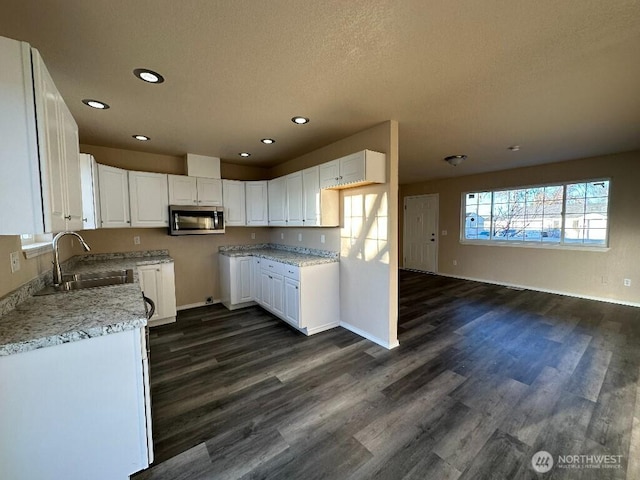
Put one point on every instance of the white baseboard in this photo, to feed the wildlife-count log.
(368, 336)
(321, 328)
(544, 290)
(238, 305)
(161, 321)
(196, 305)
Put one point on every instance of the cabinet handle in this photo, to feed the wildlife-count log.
(84, 219)
(195, 201)
(270, 277)
(340, 177)
(68, 217)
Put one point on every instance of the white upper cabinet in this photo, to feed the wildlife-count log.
(114, 197)
(321, 207)
(185, 190)
(90, 194)
(182, 190)
(278, 202)
(295, 213)
(360, 168)
(257, 203)
(329, 173)
(149, 199)
(234, 203)
(40, 181)
(58, 151)
(209, 191)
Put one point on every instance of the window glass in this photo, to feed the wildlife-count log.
(573, 213)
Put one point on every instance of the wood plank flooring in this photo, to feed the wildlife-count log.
(484, 377)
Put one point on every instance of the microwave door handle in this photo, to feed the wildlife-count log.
(176, 226)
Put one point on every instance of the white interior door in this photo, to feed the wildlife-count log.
(420, 246)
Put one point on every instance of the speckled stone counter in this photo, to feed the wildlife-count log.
(299, 257)
(43, 321)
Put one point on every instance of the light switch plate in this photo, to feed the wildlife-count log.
(323, 238)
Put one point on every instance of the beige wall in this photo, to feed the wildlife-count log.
(568, 271)
(195, 256)
(154, 162)
(368, 255)
(310, 237)
(29, 269)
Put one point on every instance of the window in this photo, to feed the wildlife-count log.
(563, 214)
(34, 245)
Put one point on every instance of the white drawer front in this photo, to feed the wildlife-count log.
(292, 272)
(274, 267)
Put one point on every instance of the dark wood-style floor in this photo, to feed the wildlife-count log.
(484, 377)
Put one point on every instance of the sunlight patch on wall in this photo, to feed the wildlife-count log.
(364, 235)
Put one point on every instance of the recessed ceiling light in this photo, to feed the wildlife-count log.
(244, 154)
(148, 76)
(514, 148)
(142, 138)
(268, 141)
(455, 160)
(300, 120)
(95, 104)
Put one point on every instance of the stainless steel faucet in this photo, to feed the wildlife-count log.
(57, 273)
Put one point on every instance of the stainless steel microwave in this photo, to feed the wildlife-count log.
(187, 220)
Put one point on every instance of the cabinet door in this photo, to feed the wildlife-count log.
(311, 196)
(295, 213)
(149, 199)
(292, 301)
(114, 197)
(277, 291)
(182, 190)
(277, 202)
(266, 288)
(352, 168)
(256, 291)
(209, 191)
(50, 146)
(329, 173)
(256, 199)
(20, 190)
(234, 203)
(90, 195)
(243, 288)
(73, 184)
(150, 277)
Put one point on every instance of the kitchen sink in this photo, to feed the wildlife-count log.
(80, 281)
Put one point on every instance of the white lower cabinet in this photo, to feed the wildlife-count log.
(305, 297)
(236, 281)
(292, 301)
(76, 411)
(157, 282)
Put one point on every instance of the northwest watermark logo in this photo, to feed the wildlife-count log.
(542, 461)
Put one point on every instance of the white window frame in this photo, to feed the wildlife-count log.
(561, 245)
(35, 245)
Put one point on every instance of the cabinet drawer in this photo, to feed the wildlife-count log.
(291, 272)
(273, 267)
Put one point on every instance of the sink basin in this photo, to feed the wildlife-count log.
(80, 281)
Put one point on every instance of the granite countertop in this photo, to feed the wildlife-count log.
(299, 257)
(48, 320)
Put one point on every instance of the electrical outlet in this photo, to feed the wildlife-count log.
(455, 263)
(627, 282)
(253, 235)
(299, 237)
(14, 258)
(209, 300)
(323, 238)
(282, 236)
(136, 240)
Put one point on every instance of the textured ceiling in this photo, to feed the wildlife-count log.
(559, 78)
